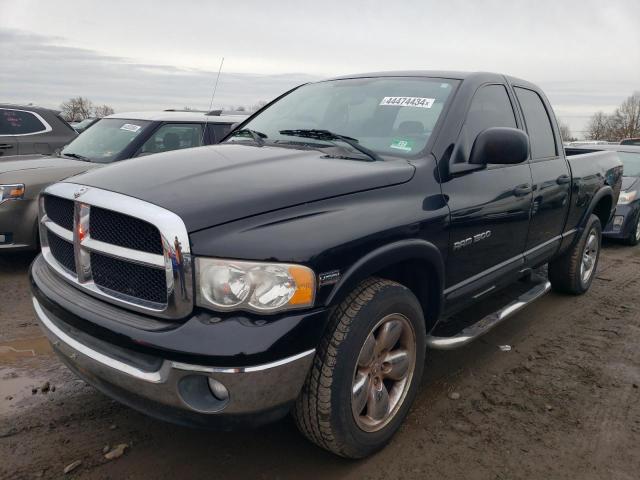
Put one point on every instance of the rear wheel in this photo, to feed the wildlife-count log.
(574, 270)
(366, 370)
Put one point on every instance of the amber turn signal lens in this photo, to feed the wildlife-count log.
(17, 192)
(305, 285)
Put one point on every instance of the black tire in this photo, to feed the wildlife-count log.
(565, 272)
(323, 411)
(633, 239)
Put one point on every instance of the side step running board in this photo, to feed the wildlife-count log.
(482, 326)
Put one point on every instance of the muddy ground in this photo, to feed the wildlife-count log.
(564, 402)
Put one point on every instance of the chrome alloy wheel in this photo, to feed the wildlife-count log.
(589, 257)
(384, 371)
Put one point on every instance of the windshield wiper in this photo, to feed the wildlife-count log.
(77, 155)
(330, 136)
(257, 137)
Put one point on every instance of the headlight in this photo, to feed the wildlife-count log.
(255, 286)
(627, 197)
(11, 192)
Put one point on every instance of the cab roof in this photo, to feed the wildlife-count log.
(189, 116)
(448, 74)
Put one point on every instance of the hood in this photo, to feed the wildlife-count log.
(212, 185)
(628, 183)
(29, 162)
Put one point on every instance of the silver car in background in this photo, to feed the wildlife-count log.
(114, 138)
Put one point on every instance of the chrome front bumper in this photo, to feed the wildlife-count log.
(181, 386)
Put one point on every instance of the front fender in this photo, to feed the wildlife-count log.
(386, 256)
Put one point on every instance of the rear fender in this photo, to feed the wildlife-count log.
(571, 237)
(603, 193)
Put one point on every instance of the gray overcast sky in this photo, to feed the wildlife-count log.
(144, 55)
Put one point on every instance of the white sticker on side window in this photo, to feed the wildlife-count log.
(130, 127)
(419, 102)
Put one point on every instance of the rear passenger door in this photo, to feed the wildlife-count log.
(8, 145)
(551, 177)
(11, 123)
(29, 129)
(489, 207)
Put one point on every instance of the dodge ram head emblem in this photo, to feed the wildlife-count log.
(79, 192)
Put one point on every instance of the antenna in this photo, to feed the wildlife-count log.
(215, 87)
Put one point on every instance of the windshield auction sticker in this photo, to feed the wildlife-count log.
(402, 144)
(130, 127)
(419, 102)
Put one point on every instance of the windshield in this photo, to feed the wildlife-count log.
(104, 141)
(385, 115)
(631, 162)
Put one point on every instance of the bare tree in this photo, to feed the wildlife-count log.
(626, 118)
(599, 127)
(623, 123)
(565, 132)
(103, 111)
(258, 105)
(76, 109)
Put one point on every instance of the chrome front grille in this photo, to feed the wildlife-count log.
(62, 251)
(118, 248)
(59, 210)
(113, 227)
(130, 279)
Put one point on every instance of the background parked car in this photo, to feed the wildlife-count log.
(27, 129)
(625, 224)
(584, 143)
(630, 141)
(111, 139)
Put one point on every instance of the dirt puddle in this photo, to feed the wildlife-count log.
(15, 384)
(24, 347)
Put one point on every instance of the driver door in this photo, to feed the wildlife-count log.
(489, 207)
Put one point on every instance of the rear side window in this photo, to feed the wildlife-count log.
(538, 124)
(173, 136)
(20, 122)
(219, 131)
(490, 107)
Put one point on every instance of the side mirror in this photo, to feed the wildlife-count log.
(500, 145)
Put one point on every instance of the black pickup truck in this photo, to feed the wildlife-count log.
(308, 262)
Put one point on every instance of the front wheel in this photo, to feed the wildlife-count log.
(574, 270)
(634, 236)
(366, 370)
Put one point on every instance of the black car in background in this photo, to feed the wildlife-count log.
(625, 225)
(27, 130)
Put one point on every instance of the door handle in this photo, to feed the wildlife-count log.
(563, 179)
(5, 146)
(522, 190)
